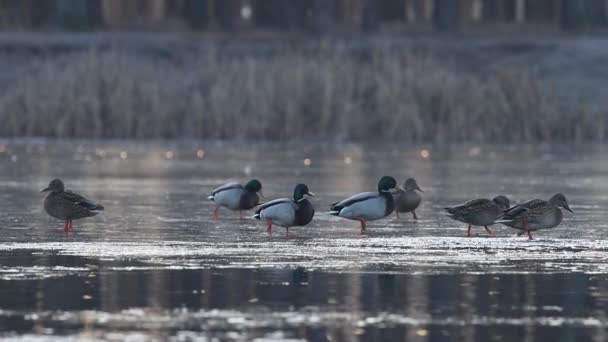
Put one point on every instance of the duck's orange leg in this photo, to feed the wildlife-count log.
(216, 213)
(269, 229)
(469, 231)
(66, 227)
(363, 226)
(527, 229)
(414, 214)
(288, 234)
(397, 213)
(490, 232)
(71, 228)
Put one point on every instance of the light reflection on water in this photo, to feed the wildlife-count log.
(155, 264)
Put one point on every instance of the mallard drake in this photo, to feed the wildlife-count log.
(408, 199)
(67, 205)
(368, 206)
(535, 214)
(287, 213)
(234, 196)
(479, 212)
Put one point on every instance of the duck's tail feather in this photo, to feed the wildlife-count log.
(257, 214)
(210, 197)
(450, 212)
(90, 206)
(453, 210)
(334, 209)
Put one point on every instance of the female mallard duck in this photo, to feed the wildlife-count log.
(479, 212)
(368, 206)
(535, 214)
(66, 205)
(408, 199)
(288, 213)
(234, 196)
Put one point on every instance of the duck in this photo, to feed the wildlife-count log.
(67, 205)
(409, 199)
(235, 196)
(535, 214)
(287, 212)
(479, 212)
(368, 206)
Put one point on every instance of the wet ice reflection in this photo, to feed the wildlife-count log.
(156, 265)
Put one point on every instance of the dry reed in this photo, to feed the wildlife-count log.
(332, 94)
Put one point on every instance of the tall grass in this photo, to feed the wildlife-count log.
(331, 94)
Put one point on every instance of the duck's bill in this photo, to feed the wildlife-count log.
(418, 188)
(261, 194)
(311, 194)
(45, 190)
(568, 208)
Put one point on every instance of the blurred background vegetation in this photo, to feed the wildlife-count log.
(319, 16)
(415, 70)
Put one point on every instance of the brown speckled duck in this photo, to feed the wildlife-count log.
(535, 214)
(408, 199)
(479, 212)
(66, 205)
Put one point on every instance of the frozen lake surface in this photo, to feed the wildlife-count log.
(156, 266)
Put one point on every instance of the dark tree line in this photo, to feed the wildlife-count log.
(319, 16)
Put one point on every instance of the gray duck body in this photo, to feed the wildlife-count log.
(409, 199)
(235, 196)
(287, 212)
(368, 206)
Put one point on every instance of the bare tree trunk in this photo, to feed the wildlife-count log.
(156, 10)
(196, 14)
(353, 12)
(72, 14)
(446, 15)
(227, 12)
(520, 11)
(112, 12)
(370, 15)
(573, 16)
(322, 18)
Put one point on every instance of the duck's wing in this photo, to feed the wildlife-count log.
(276, 202)
(227, 186)
(81, 201)
(472, 206)
(538, 208)
(520, 209)
(336, 207)
(281, 211)
(223, 188)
